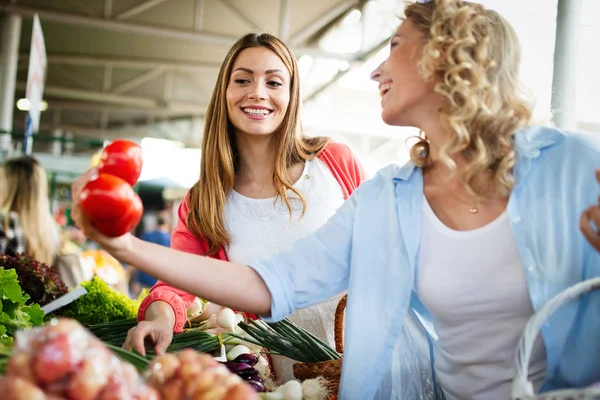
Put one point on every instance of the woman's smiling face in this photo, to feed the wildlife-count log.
(405, 96)
(258, 93)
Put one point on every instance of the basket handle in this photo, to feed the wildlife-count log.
(338, 324)
(521, 386)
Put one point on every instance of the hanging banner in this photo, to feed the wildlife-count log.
(35, 83)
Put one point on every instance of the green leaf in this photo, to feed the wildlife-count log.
(36, 315)
(9, 308)
(9, 286)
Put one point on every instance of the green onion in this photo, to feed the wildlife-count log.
(140, 363)
(286, 339)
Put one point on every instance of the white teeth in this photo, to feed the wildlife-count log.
(256, 111)
(383, 89)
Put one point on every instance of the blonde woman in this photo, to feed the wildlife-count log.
(447, 257)
(26, 221)
(263, 184)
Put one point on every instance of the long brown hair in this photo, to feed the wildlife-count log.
(219, 163)
(24, 187)
(478, 54)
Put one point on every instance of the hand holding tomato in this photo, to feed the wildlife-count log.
(110, 243)
(104, 198)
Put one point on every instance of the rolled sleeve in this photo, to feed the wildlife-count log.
(171, 298)
(314, 270)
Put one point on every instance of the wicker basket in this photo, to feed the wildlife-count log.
(331, 370)
(522, 389)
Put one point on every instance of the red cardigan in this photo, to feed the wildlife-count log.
(345, 168)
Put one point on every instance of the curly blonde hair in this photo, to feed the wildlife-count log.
(477, 54)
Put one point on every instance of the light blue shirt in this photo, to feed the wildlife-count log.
(370, 248)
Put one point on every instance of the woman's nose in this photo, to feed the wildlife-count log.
(257, 92)
(376, 74)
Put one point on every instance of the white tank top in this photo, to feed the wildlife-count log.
(473, 284)
(259, 228)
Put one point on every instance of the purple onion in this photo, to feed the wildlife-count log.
(247, 373)
(258, 386)
(237, 367)
(249, 359)
(254, 378)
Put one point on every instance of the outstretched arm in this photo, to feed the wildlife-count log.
(233, 285)
(313, 270)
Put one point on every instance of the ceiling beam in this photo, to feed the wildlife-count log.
(124, 62)
(84, 8)
(107, 13)
(198, 15)
(284, 19)
(319, 23)
(239, 14)
(140, 102)
(154, 30)
(138, 80)
(139, 8)
(118, 26)
(190, 108)
(89, 95)
(87, 131)
(74, 77)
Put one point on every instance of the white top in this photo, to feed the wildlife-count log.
(259, 228)
(473, 284)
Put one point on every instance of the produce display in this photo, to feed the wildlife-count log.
(109, 200)
(40, 281)
(79, 356)
(62, 359)
(100, 304)
(16, 313)
(243, 366)
(115, 333)
(286, 339)
(191, 375)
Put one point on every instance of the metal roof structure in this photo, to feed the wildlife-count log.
(124, 67)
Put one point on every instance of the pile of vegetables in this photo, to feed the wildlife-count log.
(38, 280)
(101, 304)
(190, 375)
(109, 200)
(114, 333)
(17, 312)
(243, 366)
(286, 339)
(62, 359)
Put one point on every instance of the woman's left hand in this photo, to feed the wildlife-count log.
(590, 222)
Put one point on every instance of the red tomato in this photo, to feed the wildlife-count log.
(122, 158)
(106, 198)
(124, 224)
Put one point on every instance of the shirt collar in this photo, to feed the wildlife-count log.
(528, 142)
